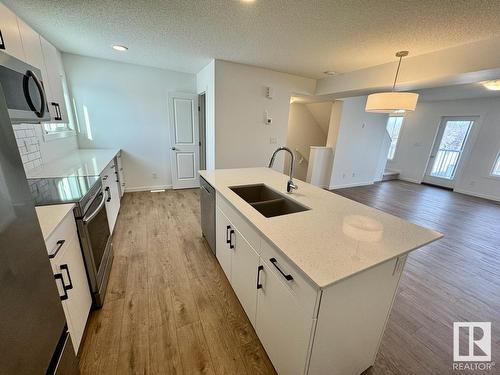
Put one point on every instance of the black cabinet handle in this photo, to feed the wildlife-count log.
(231, 245)
(58, 276)
(260, 268)
(275, 264)
(58, 111)
(228, 239)
(59, 243)
(2, 42)
(64, 267)
(108, 192)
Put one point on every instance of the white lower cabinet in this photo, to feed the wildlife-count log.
(71, 278)
(244, 264)
(283, 326)
(304, 329)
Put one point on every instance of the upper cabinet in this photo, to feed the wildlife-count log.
(33, 52)
(22, 42)
(56, 78)
(10, 40)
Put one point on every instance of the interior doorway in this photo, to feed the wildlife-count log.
(447, 152)
(202, 130)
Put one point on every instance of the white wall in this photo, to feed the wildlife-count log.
(242, 139)
(359, 140)
(419, 131)
(126, 108)
(205, 83)
(303, 132)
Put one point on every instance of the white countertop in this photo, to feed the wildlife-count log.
(81, 162)
(51, 216)
(337, 238)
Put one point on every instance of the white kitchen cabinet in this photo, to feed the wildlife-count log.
(71, 278)
(33, 53)
(244, 264)
(56, 81)
(303, 328)
(110, 185)
(283, 326)
(10, 41)
(223, 251)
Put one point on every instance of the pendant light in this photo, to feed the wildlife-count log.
(393, 101)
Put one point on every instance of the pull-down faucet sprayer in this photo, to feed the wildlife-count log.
(290, 186)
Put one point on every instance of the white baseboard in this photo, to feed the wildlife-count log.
(147, 188)
(350, 185)
(412, 180)
(479, 195)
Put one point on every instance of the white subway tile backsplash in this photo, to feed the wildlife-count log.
(28, 145)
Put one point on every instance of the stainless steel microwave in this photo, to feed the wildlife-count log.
(24, 92)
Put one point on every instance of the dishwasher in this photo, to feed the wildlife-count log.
(207, 202)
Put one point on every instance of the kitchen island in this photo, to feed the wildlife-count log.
(317, 285)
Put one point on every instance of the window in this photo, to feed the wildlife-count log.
(495, 171)
(53, 130)
(393, 127)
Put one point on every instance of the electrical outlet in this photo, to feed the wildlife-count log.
(273, 140)
(353, 174)
(343, 175)
(155, 176)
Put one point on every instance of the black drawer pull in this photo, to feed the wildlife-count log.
(59, 243)
(260, 268)
(2, 43)
(228, 239)
(231, 245)
(66, 268)
(58, 276)
(275, 264)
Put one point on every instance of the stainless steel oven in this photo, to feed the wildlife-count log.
(95, 238)
(24, 91)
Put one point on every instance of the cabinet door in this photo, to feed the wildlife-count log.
(245, 263)
(223, 251)
(10, 41)
(283, 327)
(77, 306)
(56, 77)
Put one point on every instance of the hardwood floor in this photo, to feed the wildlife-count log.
(169, 308)
(454, 279)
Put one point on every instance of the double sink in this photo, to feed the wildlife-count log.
(267, 201)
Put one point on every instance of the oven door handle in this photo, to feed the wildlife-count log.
(88, 218)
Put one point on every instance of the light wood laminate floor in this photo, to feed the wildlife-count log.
(169, 308)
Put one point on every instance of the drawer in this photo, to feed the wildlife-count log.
(244, 227)
(300, 287)
(64, 232)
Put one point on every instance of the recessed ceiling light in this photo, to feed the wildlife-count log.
(120, 48)
(247, 1)
(492, 85)
(330, 73)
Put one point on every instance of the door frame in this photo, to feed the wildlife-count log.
(202, 130)
(173, 150)
(469, 141)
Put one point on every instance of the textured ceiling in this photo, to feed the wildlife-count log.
(302, 37)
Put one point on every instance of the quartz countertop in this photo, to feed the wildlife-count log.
(81, 162)
(335, 239)
(50, 217)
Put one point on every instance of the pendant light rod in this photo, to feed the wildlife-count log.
(399, 54)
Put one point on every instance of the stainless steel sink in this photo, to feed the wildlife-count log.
(267, 201)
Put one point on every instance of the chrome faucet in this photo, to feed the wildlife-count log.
(290, 186)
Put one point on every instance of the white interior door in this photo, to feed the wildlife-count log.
(448, 150)
(184, 136)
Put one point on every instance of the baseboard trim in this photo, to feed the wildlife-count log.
(332, 187)
(147, 188)
(409, 180)
(479, 195)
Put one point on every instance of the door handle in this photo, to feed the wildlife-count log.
(59, 244)
(108, 193)
(58, 276)
(275, 264)
(228, 239)
(64, 267)
(260, 268)
(174, 149)
(231, 245)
